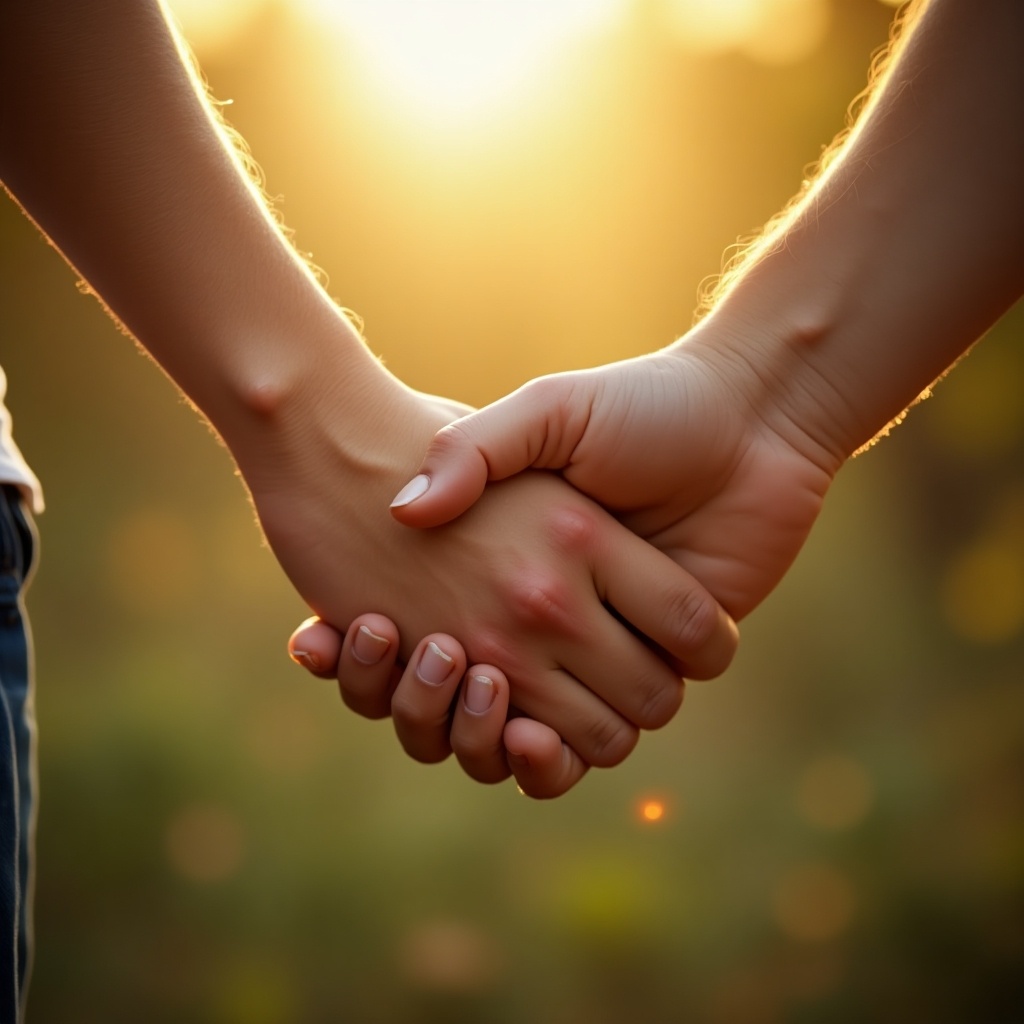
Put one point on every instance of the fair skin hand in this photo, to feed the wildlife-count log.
(672, 443)
(108, 144)
(420, 698)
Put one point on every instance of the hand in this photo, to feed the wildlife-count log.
(532, 575)
(684, 446)
(437, 705)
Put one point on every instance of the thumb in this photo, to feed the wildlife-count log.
(522, 430)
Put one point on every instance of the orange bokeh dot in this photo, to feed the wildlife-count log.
(652, 810)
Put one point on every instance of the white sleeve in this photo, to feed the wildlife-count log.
(13, 467)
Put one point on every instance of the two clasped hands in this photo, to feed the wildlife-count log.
(675, 489)
(591, 616)
(576, 549)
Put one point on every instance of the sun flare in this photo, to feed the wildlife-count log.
(460, 57)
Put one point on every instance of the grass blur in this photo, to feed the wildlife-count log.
(833, 832)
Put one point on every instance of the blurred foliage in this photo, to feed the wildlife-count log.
(220, 842)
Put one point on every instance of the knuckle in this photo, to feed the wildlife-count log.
(448, 440)
(540, 599)
(480, 763)
(489, 647)
(421, 741)
(540, 389)
(533, 394)
(571, 529)
(410, 717)
(471, 751)
(372, 707)
(608, 742)
(691, 618)
(661, 699)
(427, 755)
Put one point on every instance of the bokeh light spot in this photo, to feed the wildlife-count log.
(257, 992)
(713, 24)
(607, 898)
(982, 592)
(651, 810)
(153, 563)
(834, 793)
(449, 956)
(775, 32)
(205, 843)
(790, 31)
(814, 902)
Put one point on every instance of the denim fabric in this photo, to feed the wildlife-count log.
(17, 755)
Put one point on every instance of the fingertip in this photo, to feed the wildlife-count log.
(418, 512)
(717, 654)
(451, 479)
(479, 721)
(485, 692)
(544, 767)
(316, 647)
(421, 705)
(412, 491)
(439, 660)
(365, 668)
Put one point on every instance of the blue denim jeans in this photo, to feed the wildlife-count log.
(17, 755)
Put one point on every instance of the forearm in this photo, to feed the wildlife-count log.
(907, 248)
(109, 145)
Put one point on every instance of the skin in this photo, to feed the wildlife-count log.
(486, 742)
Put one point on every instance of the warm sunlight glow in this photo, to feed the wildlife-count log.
(982, 592)
(771, 31)
(212, 26)
(458, 57)
(713, 24)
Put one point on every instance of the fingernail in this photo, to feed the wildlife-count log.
(368, 648)
(479, 694)
(434, 666)
(415, 488)
(305, 659)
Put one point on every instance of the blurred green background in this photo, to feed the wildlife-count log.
(221, 842)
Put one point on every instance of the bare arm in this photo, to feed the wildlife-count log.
(910, 245)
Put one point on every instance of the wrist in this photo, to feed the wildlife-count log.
(763, 357)
(320, 402)
(836, 340)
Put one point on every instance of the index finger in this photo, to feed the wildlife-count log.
(661, 600)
